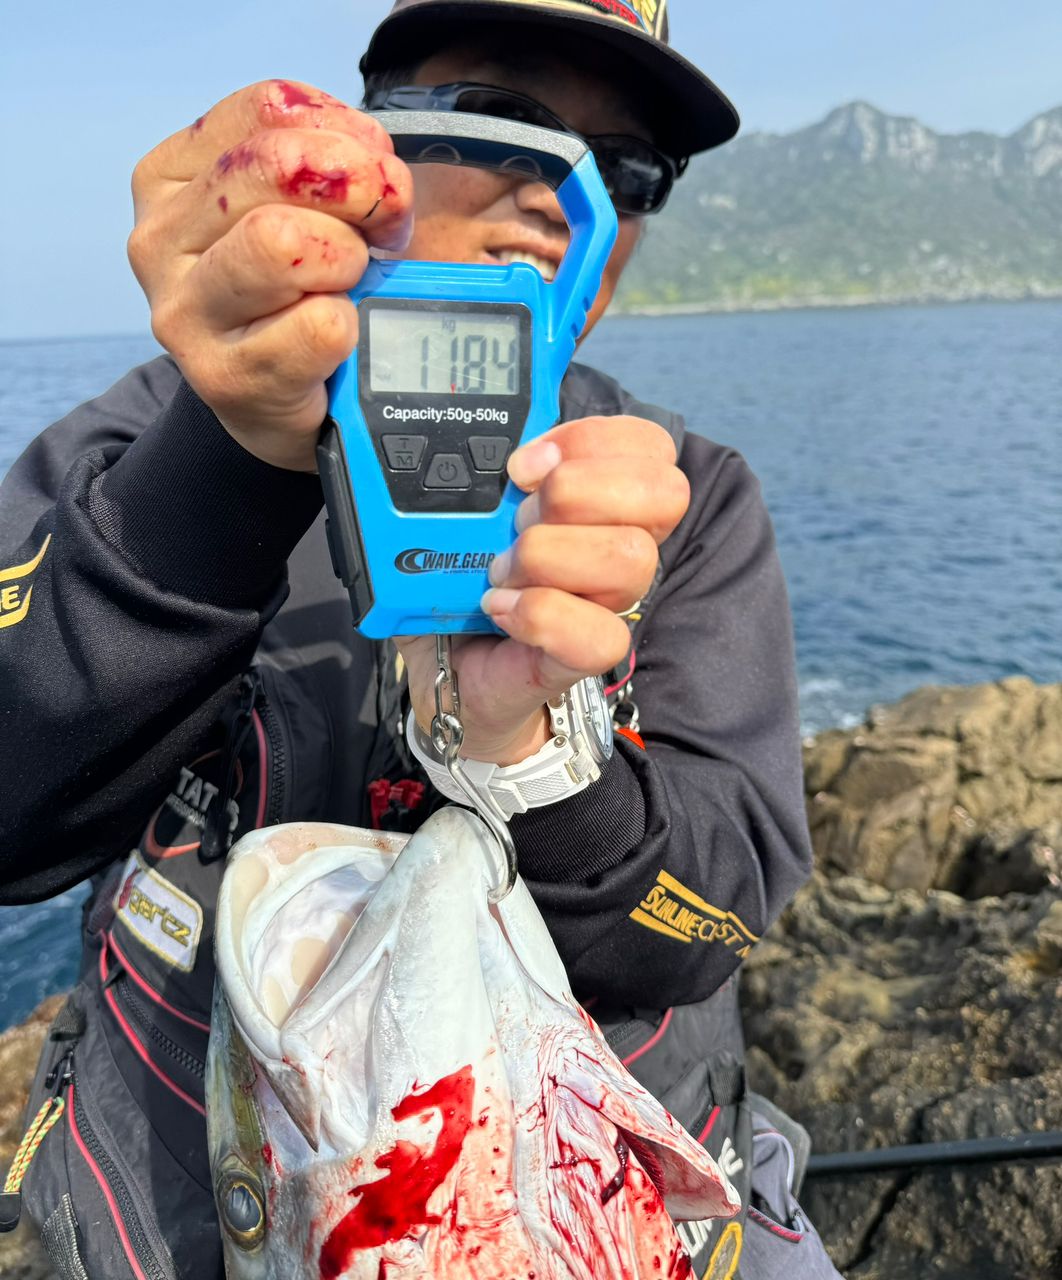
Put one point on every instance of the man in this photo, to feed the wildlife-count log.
(188, 664)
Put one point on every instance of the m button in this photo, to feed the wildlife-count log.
(403, 453)
(488, 452)
(447, 471)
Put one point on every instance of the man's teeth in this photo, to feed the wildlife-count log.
(546, 269)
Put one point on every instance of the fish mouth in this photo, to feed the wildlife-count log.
(283, 920)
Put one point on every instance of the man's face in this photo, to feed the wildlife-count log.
(473, 215)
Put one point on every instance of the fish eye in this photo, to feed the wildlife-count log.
(242, 1211)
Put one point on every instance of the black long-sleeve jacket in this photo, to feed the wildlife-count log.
(146, 561)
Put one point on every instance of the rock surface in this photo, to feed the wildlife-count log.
(21, 1255)
(957, 789)
(913, 991)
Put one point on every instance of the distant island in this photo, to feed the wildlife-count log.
(862, 207)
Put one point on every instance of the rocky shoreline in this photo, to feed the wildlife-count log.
(833, 302)
(911, 993)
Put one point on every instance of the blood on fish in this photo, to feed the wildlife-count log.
(198, 123)
(614, 1186)
(393, 1206)
(648, 1159)
(681, 1266)
(295, 262)
(223, 203)
(332, 184)
(267, 1153)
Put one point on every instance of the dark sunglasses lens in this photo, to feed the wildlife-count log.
(636, 175)
(506, 106)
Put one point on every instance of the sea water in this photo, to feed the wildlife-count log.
(911, 459)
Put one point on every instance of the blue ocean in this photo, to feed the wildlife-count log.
(911, 457)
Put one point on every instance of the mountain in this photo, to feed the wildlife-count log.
(861, 207)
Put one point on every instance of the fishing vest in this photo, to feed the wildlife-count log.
(120, 1186)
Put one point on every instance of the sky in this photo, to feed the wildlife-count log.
(89, 88)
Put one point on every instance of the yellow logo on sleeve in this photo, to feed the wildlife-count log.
(16, 589)
(677, 912)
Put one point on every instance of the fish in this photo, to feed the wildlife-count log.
(402, 1086)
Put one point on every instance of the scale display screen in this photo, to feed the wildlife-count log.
(433, 352)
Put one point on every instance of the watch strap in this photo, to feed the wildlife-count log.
(555, 772)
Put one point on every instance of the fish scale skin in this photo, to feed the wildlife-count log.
(471, 1121)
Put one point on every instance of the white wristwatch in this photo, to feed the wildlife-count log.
(581, 743)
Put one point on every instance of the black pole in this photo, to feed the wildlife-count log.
(1020, 1146)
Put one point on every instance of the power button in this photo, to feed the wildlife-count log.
(448, 471)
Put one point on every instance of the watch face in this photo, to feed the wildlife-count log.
(597, 719)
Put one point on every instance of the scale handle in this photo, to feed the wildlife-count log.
(562, 161)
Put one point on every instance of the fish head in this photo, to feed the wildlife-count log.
(240, 1156)
(289, 901)
(401, 1084)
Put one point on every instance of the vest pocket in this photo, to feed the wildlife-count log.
(80, 1163)
(135, 1213)
(179, 1068)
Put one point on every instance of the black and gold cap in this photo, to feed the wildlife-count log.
(691, 113)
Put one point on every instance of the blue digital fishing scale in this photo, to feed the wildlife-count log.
(457, 365)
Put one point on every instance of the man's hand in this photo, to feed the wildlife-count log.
(604, 493)
(251, 225)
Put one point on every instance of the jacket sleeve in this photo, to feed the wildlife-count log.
(657, 880)
(141, 553)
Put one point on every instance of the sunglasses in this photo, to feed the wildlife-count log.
(637, 175)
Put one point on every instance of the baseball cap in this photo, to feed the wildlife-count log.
(690, 112)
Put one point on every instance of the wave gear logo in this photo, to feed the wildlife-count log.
(677, 912)
(16, 589)
(416, 560)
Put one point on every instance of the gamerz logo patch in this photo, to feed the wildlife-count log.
(157, 913)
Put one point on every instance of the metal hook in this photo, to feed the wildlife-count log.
(447, 735)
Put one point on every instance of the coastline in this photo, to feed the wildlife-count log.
(824, 302)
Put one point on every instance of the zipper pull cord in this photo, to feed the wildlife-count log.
(217, 838)
(49, 1113)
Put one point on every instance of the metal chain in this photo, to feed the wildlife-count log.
(447, 735)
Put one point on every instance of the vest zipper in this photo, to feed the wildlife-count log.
(131, 1003)
(278, 759)
(135, 1244)
(217, 836)
(120, 999)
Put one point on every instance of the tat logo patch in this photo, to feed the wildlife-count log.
(677, 912)
(167, 921)
(16, 588)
